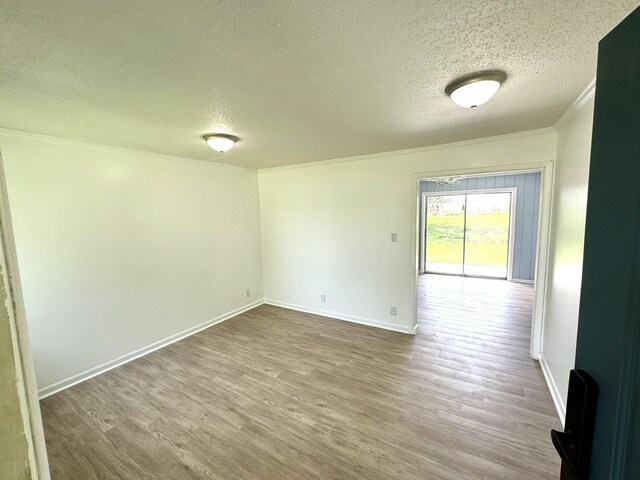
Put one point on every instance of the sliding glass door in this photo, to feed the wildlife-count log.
(445, 234)
(468, 233)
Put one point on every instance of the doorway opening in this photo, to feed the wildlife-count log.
(484, 225)
(478, 239)
(469, 233)
(477, 257)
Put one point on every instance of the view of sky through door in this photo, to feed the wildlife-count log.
(468, 234)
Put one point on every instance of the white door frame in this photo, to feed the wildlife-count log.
(512, 216)
(542, 249)
(26, 380)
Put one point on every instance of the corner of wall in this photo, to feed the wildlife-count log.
(568, 209)
(553, 389)
(577, 105)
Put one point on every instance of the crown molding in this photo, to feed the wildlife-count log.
(19, 134)
(409, 151)
(577, 105)
(70, 142)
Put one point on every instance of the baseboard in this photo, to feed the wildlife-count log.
(522, 280)
(346, 318)
(92, 372)
(553, 388)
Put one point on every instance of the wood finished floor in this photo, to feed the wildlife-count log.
(277, 394)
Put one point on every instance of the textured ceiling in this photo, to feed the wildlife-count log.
(297, 81)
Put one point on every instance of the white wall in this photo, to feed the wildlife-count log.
(326, 227)
(118, 249)
(567, 243)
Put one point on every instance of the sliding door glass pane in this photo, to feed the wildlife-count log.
(487, 235)
(445, 234)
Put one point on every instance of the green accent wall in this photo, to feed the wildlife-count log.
(609, 321)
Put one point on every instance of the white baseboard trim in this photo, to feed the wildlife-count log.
(347, 318)
(522, 280)
(553, 388)
(92, 372)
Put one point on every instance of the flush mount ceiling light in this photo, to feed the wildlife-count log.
(476, 88)
(221, 142)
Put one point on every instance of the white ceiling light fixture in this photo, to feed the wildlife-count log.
(476, 88)
(221, 142)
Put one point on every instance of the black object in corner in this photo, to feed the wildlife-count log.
(574, 444)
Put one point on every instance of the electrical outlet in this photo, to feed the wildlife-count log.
(393, 311)
(394, 237)
(248, 293)
(323, 298)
